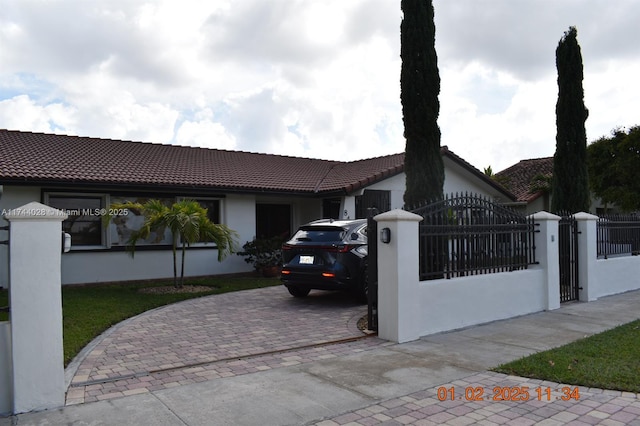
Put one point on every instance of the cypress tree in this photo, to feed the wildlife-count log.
(570, 186)
(419, 90)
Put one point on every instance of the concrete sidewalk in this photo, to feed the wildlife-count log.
(370, 381)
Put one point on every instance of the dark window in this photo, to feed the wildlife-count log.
(377, 200)
(331, 208)
(273, 220)
(84, 223)
(213, 212)
(213, 209)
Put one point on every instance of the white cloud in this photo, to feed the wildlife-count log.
(22, 113)
(204, 134)
(315, 78)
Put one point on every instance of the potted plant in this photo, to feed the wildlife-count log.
(265, 254)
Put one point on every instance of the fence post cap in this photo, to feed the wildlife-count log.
(585, 216)
(398, 215)
(542, 215)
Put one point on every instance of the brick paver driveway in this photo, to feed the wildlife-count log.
(217, 336)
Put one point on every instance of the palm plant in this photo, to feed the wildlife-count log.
(188, 222)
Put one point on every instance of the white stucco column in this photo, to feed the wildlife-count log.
(35, 248)
(587, 256)
(546, 242)
(398, 276)
(6, 388)
(348, 207)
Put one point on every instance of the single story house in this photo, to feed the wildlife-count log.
(257, 195)
(530, 182)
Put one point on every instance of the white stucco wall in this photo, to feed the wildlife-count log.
(396, 186)
(460, 180)
(616, 275)
(461, 302)
(535, 206)
(409, 308)
(95, 267)
(6, 379)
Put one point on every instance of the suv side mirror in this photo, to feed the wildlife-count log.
(354, 236)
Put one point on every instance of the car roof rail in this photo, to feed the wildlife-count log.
(322, 221)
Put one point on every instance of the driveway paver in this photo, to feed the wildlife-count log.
(217, 336)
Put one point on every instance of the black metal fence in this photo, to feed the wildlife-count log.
(618, 235)
(568, 257)
(467, 234)
(372, 271)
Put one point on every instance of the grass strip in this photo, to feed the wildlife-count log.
(608, 360)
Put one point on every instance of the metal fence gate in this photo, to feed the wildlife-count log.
(372, 271)
(4, 241)
(568, 258)
(467, 234)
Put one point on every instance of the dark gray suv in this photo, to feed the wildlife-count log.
(326, 255)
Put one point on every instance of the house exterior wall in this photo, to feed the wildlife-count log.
(396, 186)
(348, 206)
(304, 211)
(91, 266)
(537, 205)
(104, 265)
(457, 179)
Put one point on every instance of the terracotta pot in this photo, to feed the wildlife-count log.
(270, 271)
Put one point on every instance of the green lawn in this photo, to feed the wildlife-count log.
(90, 310)
(609, 360)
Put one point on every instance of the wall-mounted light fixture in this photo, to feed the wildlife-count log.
(385, 235)
(66, 242)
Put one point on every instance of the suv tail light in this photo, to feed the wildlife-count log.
(342, 248)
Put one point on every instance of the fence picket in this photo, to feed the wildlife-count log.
(468, 234)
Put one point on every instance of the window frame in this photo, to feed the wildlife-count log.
(106, 240)
(104, 201)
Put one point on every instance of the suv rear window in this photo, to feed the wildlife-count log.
(319, 234)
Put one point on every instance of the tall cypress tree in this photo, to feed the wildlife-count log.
(419, 90)
(570, 186)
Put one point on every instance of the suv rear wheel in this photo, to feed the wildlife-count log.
(298, 292)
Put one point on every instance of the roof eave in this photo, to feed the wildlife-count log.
(151, 187)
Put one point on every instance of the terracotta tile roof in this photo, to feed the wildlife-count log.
(59, 159)
(356, 174)
(518, 177)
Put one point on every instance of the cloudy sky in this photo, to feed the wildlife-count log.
(312, 78)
